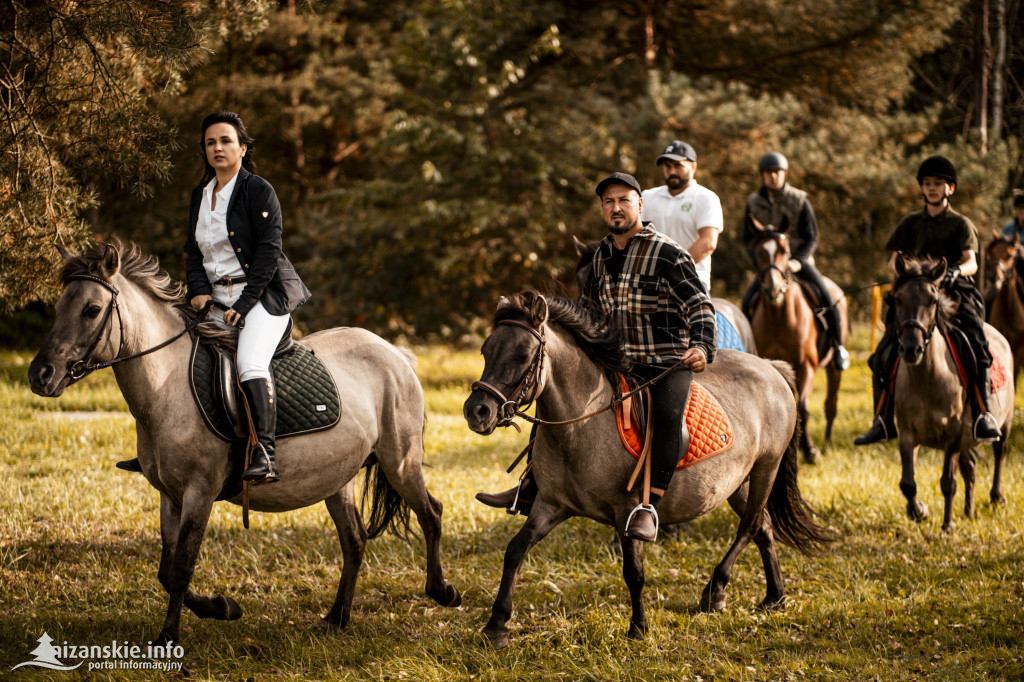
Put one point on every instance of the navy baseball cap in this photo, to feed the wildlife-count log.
(677, 150)
(618, 179)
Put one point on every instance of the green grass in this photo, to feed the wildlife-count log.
(894, 600)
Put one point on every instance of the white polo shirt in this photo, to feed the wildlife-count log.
(681, 216)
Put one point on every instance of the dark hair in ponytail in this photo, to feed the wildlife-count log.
(235, 120)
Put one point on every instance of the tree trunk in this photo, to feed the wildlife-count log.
(998, 72)
(982, 62)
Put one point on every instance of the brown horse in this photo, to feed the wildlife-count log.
(931, 403)
(1004, 294)
(785, 329)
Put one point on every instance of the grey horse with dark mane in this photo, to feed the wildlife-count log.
(931, 402)
(582, 469)
(118, 303)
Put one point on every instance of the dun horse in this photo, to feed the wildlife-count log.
(582, 469)
(381, 426)
(785, 329)
(931, 404)
(1004, 294)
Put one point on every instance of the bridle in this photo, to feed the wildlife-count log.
(80, 368)
(532, 382)
(784, 273)
(914, 323)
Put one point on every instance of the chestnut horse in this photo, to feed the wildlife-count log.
(1004, 293)
(785, 329)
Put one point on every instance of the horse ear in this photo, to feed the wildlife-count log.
(901, 265)
(110, 263)
(503, 302)
(65, 255)
(996, 235)
(1016, 240)
(939, 270)
(539, 311)
(581, 248)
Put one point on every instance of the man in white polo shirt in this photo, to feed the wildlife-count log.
(689, 214)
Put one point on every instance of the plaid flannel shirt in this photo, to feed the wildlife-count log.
(657, 300)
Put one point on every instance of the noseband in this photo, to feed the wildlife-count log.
(784, 273)
(80, 368)
(531, 384)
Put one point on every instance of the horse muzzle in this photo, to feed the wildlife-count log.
(481, 413)
(45, 379)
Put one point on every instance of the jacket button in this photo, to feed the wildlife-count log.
(231, 234)
(246, 266)
(238, 250)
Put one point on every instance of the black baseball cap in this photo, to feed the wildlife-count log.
(618, 179)
(677, 150)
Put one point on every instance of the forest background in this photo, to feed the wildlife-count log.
(431, 155)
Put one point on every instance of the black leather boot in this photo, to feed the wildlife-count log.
(986, 430)
(259, 396)
(517, 500)
(132, 465)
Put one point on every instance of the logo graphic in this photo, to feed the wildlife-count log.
(686, 206)
(46, 656)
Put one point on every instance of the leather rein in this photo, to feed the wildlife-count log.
(532, 384)
(914, 323)
(80, 368)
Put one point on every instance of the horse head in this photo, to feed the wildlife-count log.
(919, 303)
(84, 327)
(772, 253)
(513, 375)
(1001, 253)
(585, 251)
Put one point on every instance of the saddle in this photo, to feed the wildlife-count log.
(967, 363)
(710, 430)
(726, 335)
(307, 397)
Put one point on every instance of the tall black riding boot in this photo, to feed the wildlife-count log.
(259, 396)
(841, 356)
(986, 429)
(884, 426)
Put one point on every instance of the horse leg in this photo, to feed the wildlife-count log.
(998, 451)
(217, 606)
(193, 515)
(405, 474)
(542, 519)
(916, 509)
(352, 535)
(633, 574)
(831, 399)
(805, 383)
(968, 463)
(750, 506)
(948, 483)
(764, 539)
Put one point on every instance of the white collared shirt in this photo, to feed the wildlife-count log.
(680, 217)
(219, 258)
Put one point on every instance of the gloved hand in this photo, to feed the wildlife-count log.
(950, 277)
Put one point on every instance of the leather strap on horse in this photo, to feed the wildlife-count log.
(644, 461)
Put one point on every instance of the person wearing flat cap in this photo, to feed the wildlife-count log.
(650, 287)
(683, 209)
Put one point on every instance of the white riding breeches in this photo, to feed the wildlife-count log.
(257, 340)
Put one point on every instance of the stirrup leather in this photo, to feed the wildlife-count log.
(644, 507)
(512, 509)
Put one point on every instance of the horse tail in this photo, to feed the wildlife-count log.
(792, 518)
(388, 511)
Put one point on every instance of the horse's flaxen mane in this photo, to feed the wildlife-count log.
(588, 326)
(143, 270)
(915, 267)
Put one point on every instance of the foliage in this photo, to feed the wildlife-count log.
(895, 600)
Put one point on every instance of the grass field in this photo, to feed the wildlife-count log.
(894, 600)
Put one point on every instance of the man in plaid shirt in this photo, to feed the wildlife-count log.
(649, 286)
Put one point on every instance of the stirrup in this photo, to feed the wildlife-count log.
(974, 429)
(511, 509)
(643, 507)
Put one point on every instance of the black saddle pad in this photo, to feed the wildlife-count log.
(307, 397)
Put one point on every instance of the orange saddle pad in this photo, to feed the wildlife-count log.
(710, 429)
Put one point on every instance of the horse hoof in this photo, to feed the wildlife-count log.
(448, 596)
(947, 528)
(498, 639)
(637, 632)
(997, 500)
(917, 510)
(709, 605)
(165, 638)
(229, 608)
(812, 456)
(326, 624)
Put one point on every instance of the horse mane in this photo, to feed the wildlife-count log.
(592, 331)
(920, 267)
(143, 270)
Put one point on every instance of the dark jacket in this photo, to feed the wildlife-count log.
(254, 229)
(787, 212)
